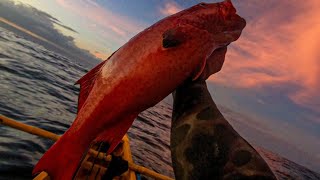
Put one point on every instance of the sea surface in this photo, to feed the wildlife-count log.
(37, 88)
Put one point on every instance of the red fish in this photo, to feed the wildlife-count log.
(188, 45)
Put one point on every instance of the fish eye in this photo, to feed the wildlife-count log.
(170, 39)
(169, 43)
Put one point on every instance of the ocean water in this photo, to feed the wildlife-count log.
(37, 88)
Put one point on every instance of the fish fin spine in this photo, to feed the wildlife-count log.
(87, 81)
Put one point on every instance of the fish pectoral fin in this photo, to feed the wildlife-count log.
(87, 81)
(199, 70)
(215, 61)
(212, 65)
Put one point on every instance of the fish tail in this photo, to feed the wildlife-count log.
(62, 159)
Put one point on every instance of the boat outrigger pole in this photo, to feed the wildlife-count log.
(46, 134)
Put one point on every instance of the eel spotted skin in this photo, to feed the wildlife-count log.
(204, 145)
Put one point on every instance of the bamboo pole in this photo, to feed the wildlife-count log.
(148, 172)
(27, 128)
(46, 134)
(128, 156)
(42, 176)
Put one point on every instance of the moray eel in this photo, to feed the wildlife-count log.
(204, 145)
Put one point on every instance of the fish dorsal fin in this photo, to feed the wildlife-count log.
(86, 84)
(87, 81)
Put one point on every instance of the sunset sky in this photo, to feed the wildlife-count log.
(271, 74)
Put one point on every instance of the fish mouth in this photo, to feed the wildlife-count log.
(234, 25)
(224, 46)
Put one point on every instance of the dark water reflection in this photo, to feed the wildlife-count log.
(37, 88)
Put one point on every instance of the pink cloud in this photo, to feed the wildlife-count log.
(170, 8)
(278, 52)
(120, 28)
(100, 55)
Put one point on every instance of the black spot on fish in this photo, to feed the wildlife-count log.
(179, 134)
(241, 157)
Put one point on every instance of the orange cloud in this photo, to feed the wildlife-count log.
(100, 55)
(273, 51)
(170, 8)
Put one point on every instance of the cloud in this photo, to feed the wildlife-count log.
(40, 26)
(170, 8)
(278, 46)
(113, 26)
(101, 55)
(66, 27)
